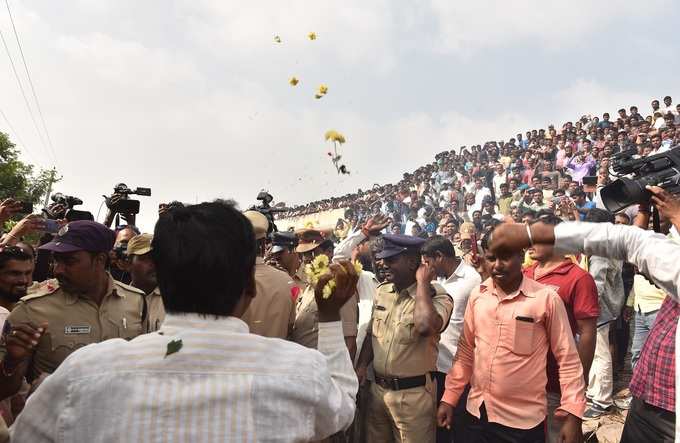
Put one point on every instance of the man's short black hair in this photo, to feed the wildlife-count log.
(204, 256)
(13, 253)
(547, 217)
(597, 215)
(436, 244)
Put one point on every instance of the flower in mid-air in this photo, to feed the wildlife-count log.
(293, 81)
(334, 136)
(323, 89)
(312, 36)
(277, 39)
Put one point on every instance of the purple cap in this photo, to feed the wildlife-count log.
(82, 235)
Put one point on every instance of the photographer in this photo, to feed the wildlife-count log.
(118, 260)
(652, 413)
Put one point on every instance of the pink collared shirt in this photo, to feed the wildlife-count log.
(503, 355)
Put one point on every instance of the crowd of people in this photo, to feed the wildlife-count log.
(484, 298)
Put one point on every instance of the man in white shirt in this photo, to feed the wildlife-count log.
(481, 191)
(458, 279)
(367, 284)
(500, 177)
(202, 377)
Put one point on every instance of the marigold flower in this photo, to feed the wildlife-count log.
(334, 136)
(323, 89)
(277, 39)
(312, 36)
(293, 81)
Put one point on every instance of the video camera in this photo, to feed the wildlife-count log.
(661, 170)
(120, 202)
(267, 210)
(62, 208)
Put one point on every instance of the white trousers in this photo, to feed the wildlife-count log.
(601, 377)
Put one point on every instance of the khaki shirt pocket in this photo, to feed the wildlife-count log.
(379, 323)
(406, 332)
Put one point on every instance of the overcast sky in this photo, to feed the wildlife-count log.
(191, 98)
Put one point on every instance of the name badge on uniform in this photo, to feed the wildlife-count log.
(77, 330)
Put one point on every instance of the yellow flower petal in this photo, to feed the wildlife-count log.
(277, 39)
(323, 89)
(334, 136)
(312, 36)
(293, 81)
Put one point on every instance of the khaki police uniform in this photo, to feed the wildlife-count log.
(272, 312)
(75, 321)
(155, 310)
(401, 356)
(306, 328)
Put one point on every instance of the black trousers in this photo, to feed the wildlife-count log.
(454, 434)
(647, 423)
(480, 430)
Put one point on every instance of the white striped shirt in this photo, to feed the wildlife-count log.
(223, 385)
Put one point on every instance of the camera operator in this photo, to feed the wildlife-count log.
(119, 263)
(83, 305)
(652, 415)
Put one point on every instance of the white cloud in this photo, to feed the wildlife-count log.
(467, 26)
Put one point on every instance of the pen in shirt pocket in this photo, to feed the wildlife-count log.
(526, 319)
(124, 323)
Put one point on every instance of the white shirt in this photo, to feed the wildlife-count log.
(224, 385)
(498, 180)
(654, 254)
(459, 285)
(366, 286)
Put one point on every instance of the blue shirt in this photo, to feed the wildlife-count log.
(586, 205)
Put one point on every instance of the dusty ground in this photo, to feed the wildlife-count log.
(608, 428)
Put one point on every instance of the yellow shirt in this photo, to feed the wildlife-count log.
(645, 297)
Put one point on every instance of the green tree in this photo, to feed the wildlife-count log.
(18, 179)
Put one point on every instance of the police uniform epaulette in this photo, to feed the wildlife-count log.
(386, 283)
(128, 287)
(41, 289)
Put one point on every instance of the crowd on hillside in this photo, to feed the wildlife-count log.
(469, 183)
(487, 297)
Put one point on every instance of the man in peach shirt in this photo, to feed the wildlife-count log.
(510, 324)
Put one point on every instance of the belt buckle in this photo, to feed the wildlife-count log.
(395, 382)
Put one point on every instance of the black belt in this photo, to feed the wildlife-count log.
(397, 384)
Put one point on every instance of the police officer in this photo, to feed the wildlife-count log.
(272, 312)
(143, 273)
(409, 313)
(283, 257)
(83, 305)
(312, 243)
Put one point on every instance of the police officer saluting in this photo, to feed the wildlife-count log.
(83, 305)
(409, 313)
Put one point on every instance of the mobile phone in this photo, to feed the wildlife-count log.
(26, 208)
(51, 226)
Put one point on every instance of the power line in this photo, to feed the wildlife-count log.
(23, 92)
(30, 80)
